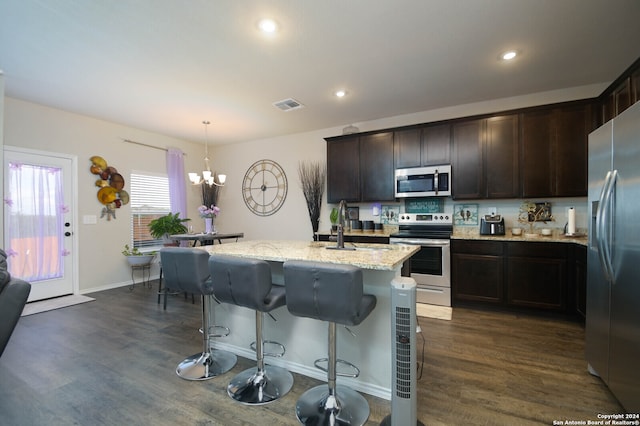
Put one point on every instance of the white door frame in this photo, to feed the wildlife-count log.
(74, 195)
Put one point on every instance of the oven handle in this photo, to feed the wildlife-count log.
(418, 242)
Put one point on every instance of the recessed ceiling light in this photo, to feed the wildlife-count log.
(268, 26)
(507, 56)
(341, 93)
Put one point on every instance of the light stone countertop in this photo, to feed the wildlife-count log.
(384, 257)
(556, 236)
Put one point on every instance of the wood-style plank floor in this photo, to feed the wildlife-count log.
(112, 362)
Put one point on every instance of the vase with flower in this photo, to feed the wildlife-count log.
(208, 214)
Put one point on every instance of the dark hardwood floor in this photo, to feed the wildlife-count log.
(112, 362)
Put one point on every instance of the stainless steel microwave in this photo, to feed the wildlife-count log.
(432, 181)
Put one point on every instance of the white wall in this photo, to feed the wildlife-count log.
(42, 128)
(101, 266)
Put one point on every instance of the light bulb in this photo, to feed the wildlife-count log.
(222, 178)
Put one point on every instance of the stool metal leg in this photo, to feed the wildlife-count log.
(209, 363)
(332, 404)
(261, 384)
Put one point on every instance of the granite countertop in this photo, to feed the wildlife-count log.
(556, 236)
(367, 256)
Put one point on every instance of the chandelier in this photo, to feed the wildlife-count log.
(207, 176)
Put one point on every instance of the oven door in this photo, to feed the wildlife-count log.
(431, 269)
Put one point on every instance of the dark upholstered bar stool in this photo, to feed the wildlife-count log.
(332, 293)
(247, 282)
(187, 269)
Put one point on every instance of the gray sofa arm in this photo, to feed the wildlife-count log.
(12, 300)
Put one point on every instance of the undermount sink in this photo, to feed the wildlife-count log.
(352, 248)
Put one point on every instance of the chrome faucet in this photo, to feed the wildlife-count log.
(342, 210)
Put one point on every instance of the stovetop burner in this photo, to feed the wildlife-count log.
(424, 225)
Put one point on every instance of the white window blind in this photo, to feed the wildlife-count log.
(149, 199)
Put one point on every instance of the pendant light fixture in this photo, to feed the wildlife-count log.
(207, 176)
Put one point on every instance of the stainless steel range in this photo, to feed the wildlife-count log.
(431, 266)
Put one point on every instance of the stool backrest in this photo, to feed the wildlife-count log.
(326, 292)
(243, 282)
(186, 269)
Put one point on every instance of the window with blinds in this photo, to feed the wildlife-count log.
(149, 199)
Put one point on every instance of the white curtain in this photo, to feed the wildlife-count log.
(34, 216)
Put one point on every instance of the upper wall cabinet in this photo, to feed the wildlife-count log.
(360, 168)
(554, 150)
(343, 169)
(485, 158)
(422, 146)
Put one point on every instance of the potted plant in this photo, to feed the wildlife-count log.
(136, 257)
(164, 226)
(333, 217)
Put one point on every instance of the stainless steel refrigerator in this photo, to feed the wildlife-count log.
(613, 259)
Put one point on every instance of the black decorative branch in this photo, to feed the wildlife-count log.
(312, 176)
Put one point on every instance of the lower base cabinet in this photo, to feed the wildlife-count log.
(528, 275)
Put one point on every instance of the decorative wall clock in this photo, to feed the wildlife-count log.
(264, 187)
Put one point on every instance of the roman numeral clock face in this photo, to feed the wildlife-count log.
(264, 187)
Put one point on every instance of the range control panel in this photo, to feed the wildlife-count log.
(425, 219)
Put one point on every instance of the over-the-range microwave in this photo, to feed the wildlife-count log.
(431, 181)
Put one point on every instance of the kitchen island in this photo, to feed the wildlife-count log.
(305, 339)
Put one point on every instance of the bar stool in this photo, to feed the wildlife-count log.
(186, 269)
(332, 293)
(247, 282)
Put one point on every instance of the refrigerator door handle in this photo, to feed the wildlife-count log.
(607, 225)
(600, 220)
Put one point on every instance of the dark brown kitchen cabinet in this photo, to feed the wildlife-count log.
(554, 149)
(485, 158)
(436, 144)
(528, 276)
(407, 147)
(477, 271)
(501, 157)
(580, 279)
(537, 275)
(343, 169)
(360, 168)
(467, 159)
(422, 146)
(376, 167)
(635, 86)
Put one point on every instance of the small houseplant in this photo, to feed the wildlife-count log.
(164, 226)
(333, 217)
(136, 257)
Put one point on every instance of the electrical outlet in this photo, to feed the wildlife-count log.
(492, 211)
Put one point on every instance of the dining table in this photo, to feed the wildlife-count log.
(204, 239)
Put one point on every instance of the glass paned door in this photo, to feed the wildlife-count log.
(38, 211)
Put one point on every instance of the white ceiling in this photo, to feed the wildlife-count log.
(166, 65)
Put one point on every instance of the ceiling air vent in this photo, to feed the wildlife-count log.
(288, 104)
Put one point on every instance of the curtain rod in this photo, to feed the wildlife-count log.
(147, 145)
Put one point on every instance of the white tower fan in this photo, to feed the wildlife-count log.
(404, 326)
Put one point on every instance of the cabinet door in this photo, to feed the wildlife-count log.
(477, 278)
(536, 160)
(573, 125)
(407, 148)
(537, 282)
(436, 145)
(343, 170)
(501, 150)
(468, 160)
(376, 167)
(635, 86)
(580, 277)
